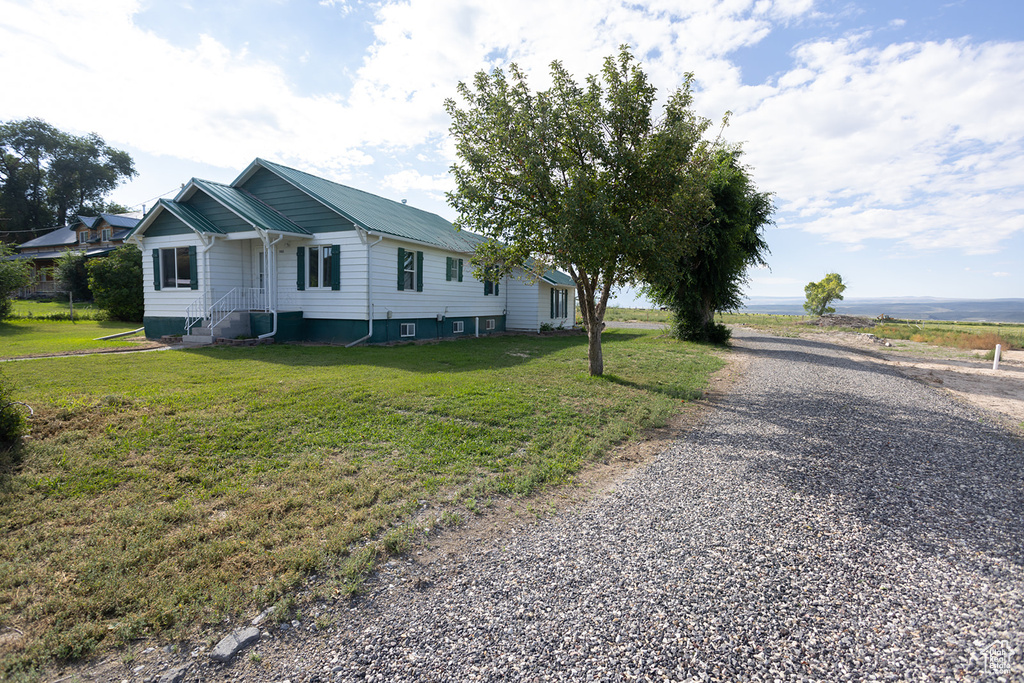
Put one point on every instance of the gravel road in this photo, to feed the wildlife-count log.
(831, 520)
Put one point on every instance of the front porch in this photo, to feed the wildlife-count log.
(225, 317)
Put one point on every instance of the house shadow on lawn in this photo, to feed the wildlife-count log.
(936, 480)
(466, 354)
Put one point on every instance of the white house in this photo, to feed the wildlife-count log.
(283, 253)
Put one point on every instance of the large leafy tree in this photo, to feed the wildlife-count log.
(822, 293)
(47, 175)
(116, 283)
(711, 270)
(578, 177)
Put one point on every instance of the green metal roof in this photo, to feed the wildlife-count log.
(557, 277)
(377, 214)
(249, 208)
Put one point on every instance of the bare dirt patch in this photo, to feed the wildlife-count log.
(963, 374)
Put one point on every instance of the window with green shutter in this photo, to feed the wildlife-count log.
(156, 269)
(410, 270)
(336, 267)
(322, 267)
(175, 268)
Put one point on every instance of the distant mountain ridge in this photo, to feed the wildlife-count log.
(912, 308)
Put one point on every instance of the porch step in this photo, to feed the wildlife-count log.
(233, 326)
(199, 339)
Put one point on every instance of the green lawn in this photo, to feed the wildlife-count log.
(160, 492)
(32, 337)
(54, 308)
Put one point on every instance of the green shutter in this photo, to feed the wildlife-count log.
(419, 271)
(552, 304)
(335, 267)
(193, 268)
(448, 268)
(460, 270)
(488, 287)
(497, 283)
(156, 269)
(300, 269)
(401, 269)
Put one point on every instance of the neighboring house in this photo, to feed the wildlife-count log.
(95, 235)
(283, 253)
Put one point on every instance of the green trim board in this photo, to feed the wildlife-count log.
(290, 325)
(293, 327)
(157, 327)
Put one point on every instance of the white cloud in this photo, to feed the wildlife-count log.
(1000, 274)
(916, 143)
(210, 104)
(414, 180)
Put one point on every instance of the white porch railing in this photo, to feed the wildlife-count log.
(238, 299)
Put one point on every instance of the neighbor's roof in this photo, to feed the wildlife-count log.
(119, 221)
(55, 238)
(31, 256)
(376, 214)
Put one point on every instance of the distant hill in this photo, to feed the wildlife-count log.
(912, 308)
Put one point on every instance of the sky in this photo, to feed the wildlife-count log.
(891, 132)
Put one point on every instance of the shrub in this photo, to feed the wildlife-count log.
(72, 275)
(116, 283)
(12, 418)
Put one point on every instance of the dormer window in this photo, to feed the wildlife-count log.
(106, 234)
(83, 237)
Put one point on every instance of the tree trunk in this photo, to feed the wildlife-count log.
(593, 304)
(594, 354)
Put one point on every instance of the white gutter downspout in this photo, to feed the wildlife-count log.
(271, 258)
(369, 293)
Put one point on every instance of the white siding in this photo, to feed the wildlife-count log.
(169, 303)
(529, 305)
(223, 267)
(452, 299)
(523, 304)
(346, 303)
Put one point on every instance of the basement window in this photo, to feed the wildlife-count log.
(489, 324)
(408, 330)
(458, 327)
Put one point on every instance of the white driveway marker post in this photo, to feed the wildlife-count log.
(995, 362)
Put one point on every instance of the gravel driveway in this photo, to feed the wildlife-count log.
(831, 520)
